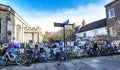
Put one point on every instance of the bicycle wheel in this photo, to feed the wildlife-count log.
(41, 58)
(21, 59)
(28, 61)
(60, 60)
(3, 62)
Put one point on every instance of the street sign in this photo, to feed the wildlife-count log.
(63, 25)
(66, 22)
(58, 25)
(69, 24)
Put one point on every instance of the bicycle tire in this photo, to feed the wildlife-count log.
(21, 59)
(3, 62)
(28, 61)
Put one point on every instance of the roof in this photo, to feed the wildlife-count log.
(94, 25)
(111, 3)
(77, 29)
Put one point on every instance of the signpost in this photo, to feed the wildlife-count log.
(62, 25)
(58, 24)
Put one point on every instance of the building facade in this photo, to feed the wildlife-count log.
(92, 30)
(32, 34)
(111, 23)
(113, 19)
(12, 26)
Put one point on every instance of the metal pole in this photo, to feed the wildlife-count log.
(64, 34)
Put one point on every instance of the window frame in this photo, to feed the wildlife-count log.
(84, 35)
(109, 13)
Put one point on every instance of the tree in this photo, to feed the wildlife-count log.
(58, 36)
(47, 36)
(70, 32)
(53, 37)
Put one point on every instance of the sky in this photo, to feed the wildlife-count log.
(45, 12)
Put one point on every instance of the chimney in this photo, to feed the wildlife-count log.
(83, 23)
(38, 26)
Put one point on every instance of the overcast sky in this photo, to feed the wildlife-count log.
(45, 12)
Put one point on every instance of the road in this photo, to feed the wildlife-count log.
(92, 63)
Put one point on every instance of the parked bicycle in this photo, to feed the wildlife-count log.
(14, 56)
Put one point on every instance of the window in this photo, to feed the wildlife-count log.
(111, 13)
(84, 34)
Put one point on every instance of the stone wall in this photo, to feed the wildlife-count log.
(12, 23)
(7, 25)
(114, 23)
(32, 33)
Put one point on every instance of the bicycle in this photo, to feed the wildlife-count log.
(43, 57)
(9, 55)
(61, 57)
(30, 57)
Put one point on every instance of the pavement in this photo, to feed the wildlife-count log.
(91, 63)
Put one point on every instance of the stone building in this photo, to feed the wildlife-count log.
(113, 19)
(111, 24)
(12, 26)
(32, 34)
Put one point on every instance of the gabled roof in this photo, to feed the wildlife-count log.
(94, 25)
(77, 29)
(111, 3)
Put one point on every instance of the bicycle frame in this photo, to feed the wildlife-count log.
(9, 57)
